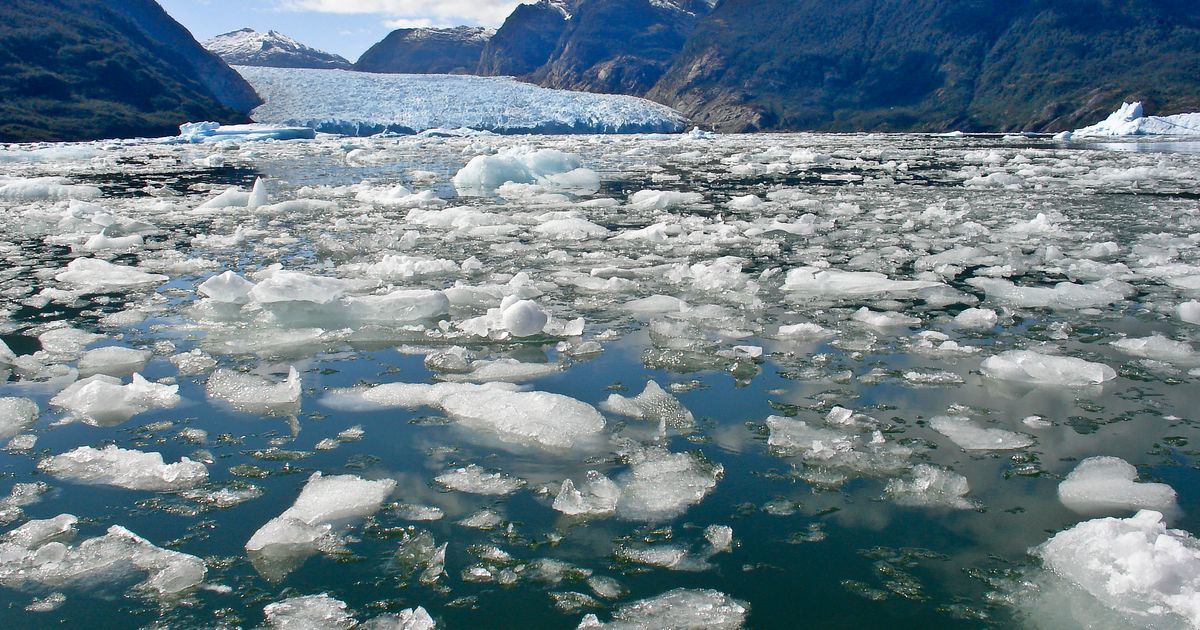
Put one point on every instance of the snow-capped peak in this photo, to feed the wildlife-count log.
(248, 47)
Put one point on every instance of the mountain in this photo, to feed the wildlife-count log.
(526, 40)
(620, 46)
(933, 65)
(248, 47)
(91, 69)
(427, 51)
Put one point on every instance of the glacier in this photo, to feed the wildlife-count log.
(365, 104)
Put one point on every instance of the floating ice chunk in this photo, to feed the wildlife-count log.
(33, 555)
(208, 132)
(1130, 120)
(1104, 485)
(671, 557)
(931, 486)
(1027, 366)
(523, 318)
(597, 497)
(44, 189)
(885, 319)
(972, 437)
(504, 370)
(746, 202)
(311, 612)
(412, 395)
(1189, 312)
(1159, 348)
(663, 199)
(571, 230)
(324, 504)
(103, 400)
(292, 286)
(660, 485)
(831, 282)
(977, 319)
(103, 276)
(397, 307)
(680, 608)
(251, 393)
(113, 361)
(535, 418)
(805, 331)
(653, 404)
(1135, 566)
(859, 448)
(719, 537)
(1064, 295)
(475, 480)
(414, 512)
(398, 267)
(104, 242)
(227, 288)
(133, 470)
(521, 165)
(193, 362)
(7, 356)
(408, 619)
(16, 416)
(656, 304)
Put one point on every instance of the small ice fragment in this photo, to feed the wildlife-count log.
(247, 392)
(933, 487)
(598, 496)
(475, 480)
(134, 470)
(103, 400)
(312, 612)
(16, 416)
(977, 319)
(1103, 485)
(113, 361)
(1027, 366)
(680, 608)
(227, 288)
(972, 437)
(524, 318)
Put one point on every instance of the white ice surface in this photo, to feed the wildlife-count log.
(1130, 120)
(1107, 485)
(1027, 366)
(134, 470)
(362, 104)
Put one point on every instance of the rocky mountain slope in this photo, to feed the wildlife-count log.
(620, 46)
(248, 47)
(526, 40)
(427, 51)
(90, 69)
(933, 65)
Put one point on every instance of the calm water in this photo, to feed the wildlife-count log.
(817, 542)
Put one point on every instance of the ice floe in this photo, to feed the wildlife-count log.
(680, 608)
(104, 400)
(1104, 485)
(34, 555)
(1136, 566)
(969, 436)
(134, 470)
(1027, 366)
(311, 524)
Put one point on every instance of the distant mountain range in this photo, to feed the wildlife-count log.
(248, 47)
(890, 65)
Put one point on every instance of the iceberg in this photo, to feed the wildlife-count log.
(1130, 120)
(209, 132)
(365, 104)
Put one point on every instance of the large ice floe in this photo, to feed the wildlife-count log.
(1144, 573)
(361, 103)
(311, 524)
(36, 556)
(1130, 120)
(1102, 485)
(124, 468)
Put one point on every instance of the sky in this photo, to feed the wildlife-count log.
(344, 27)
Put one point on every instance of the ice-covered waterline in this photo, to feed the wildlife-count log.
(563, 381)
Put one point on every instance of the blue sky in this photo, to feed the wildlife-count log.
(345, 27)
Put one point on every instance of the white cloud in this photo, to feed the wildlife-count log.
(415, 12)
